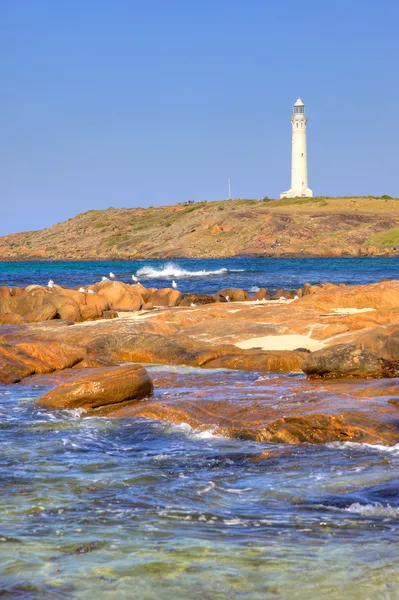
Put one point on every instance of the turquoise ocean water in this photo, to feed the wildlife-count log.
(128, 508)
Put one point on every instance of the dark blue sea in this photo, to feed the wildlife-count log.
(127, 508)
(206, 275)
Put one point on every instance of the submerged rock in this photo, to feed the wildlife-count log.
(304, 412)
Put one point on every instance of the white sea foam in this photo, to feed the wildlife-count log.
(172, 270)
(209, 487)
(76, 413)
(361, 447)
(373, 510)
(254, 288)
(191, 433)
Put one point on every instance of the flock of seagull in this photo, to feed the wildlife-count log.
(135, 279)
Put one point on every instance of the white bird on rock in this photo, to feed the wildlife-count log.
(135, 279)
(174, 285)
(50, 283)
(104, 279)
(82, 290)
(112, 276)
(227, 298)
(192, 304)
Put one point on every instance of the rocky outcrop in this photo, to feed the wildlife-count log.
(212, 335)
(382, 295)
(101, 391)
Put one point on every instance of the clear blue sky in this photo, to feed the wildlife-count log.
(148, 102)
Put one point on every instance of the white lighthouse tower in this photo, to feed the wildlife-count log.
(299, 165)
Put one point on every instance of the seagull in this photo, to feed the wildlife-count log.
(282, 298)
(112, 276)
(227, 298)
(192, 304)
(104, 279)
(174, 284)
(91, 292)
(50, 283)
(82, 290)
(135, 279)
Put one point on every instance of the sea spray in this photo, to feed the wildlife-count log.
(173, 270)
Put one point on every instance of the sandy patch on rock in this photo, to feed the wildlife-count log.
(351, 311)
(281, 342)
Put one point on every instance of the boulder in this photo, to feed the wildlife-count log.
(100, 391)
(128, 302)
(143, 291)
(93, 307)
(166, 297)
(120, 296)
(68, 310)
(147, 306)
(5, 291)
(232, 295)
(282, 293)
(45, 311)
(390, 348)
(7, 305)
(345, 361)
(197, 299)
(260, 294)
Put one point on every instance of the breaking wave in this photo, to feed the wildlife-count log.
(172, 270)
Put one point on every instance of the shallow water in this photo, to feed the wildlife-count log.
(207, 275)
(113, 508)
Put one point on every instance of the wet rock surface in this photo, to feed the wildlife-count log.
(100, 391)
(278, 409)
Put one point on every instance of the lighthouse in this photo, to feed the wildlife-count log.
(299, 162)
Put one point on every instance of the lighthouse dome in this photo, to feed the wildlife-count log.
(299, 103)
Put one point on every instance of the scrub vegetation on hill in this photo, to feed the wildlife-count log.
(320, 226)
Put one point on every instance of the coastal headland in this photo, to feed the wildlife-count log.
(344, 338)
(320, 226)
